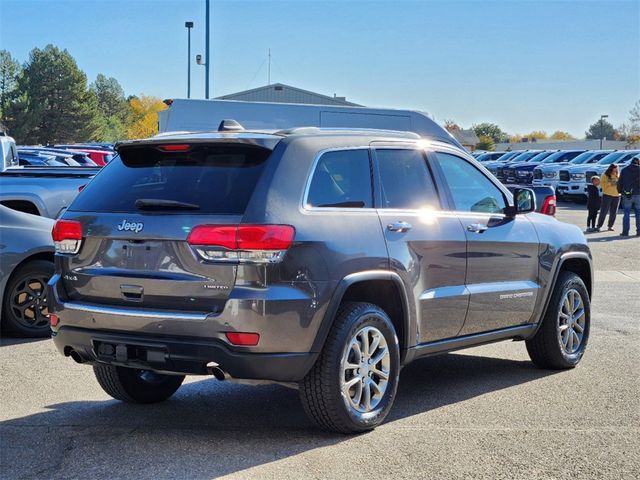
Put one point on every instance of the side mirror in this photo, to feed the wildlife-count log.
(524, 202)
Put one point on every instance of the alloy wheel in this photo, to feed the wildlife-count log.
(29, 302)
(365, 370)
(571, 321)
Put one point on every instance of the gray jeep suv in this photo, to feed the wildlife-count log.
(323, 258)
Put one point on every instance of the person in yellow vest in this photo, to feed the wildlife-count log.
(610, 197)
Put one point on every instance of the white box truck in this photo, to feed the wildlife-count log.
(206, 115)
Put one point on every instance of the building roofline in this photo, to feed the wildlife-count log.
(301, 90)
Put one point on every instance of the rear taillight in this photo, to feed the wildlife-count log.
(67, 236)
(549, 206)
(243, 338)
(244, 243)
(81, 187)
(265, 237)
(214, 235)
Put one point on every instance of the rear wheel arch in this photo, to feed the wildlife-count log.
(24, 206)
(41, 260)
(381, 288)
(47, 256)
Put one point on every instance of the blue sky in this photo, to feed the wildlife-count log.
(523, 64)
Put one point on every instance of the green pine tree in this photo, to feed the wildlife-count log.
(113, 109)
(54, 104)
(9, 72)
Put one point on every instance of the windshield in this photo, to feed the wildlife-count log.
(508, 156)
(611, 158)
(524, 157)
(628, 155)
(485, 157)
(587, 157)
(556, 157)
(540, 156)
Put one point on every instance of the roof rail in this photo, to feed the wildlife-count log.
(320, 130)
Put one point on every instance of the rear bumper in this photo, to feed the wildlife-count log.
(179, 355)
(286, 316)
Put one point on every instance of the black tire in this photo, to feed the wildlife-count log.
(320, 390)
(136, 386)
(24, 309)
(546, 348)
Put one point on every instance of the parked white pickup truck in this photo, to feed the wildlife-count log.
(44, 191)
(574, 179)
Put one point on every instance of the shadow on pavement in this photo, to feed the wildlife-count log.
(211, 428)
(611, 238)
(6, 342)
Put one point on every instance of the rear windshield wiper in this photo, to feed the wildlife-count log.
(159, 204)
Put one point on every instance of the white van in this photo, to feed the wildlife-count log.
(206, 115)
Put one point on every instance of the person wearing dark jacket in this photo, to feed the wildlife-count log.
(629, 188)
(593, 202)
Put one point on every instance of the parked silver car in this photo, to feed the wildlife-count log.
(26, 264)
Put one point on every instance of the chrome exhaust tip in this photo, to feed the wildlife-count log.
(214, 369)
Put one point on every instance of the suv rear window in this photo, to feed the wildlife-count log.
(207, 179)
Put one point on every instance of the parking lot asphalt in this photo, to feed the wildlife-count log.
(486, 412)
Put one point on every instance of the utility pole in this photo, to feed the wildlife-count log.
(602, 117)
(206, 53)
(269, 70)
(189, 26)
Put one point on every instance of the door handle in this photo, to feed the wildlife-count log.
(399, 227)
(477, 227)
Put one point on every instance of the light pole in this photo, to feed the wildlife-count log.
(206, 53)
(602, 117)
(189, 26)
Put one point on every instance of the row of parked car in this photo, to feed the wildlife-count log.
(568, 172)
(76, 155)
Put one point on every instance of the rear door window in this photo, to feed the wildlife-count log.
(205, 179)
(341, 179)
(405, 180)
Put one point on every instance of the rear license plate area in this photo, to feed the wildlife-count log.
(130, 353)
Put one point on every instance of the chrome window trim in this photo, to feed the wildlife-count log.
(429, 147)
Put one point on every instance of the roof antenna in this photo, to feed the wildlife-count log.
(230, 126)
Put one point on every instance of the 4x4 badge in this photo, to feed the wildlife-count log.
(130, 226)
